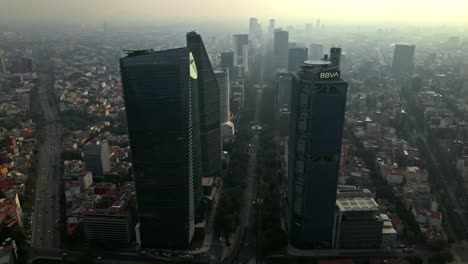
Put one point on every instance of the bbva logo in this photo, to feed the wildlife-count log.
(327, 75)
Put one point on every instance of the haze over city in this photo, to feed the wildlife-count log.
(416, 12)
(234, 132)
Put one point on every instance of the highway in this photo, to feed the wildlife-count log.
(47, 211)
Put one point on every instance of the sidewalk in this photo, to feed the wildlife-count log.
(209, 226)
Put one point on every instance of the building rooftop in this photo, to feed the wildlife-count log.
(357, 204)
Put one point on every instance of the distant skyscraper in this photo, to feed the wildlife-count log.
(317, 115)
(315, 51)
(308, 28)
(318, 24)
(161, 102)
(227, 127)
(222, 78)
(209, 108)
(2, 63)
(96, 156)
(253, 27)
(281, 43)
(464, 68)
(403, 59)
(227, 62)
(271, 26)
(296, 59)
(240, 40)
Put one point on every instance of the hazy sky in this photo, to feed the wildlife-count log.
(404, 11)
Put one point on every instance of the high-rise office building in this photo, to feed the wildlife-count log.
(464, 68)
(315, 51)
(271, 26)
(308, 28)
(317, 116)
(227, 62)
(296, 58)
(253, 27)
(227, 127)
(281, 44)
(240, 41)
(403, 59)
(222, 77)
(161, 102)
(96, 156)
(2, 63)
(208, 92)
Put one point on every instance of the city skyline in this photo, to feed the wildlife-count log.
(362, 11)
(256, 131)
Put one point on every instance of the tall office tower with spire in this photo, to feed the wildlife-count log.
(161, 102)
(403, 59)
(281, 44)
(208, 91)
(296, 58)
(317, 115)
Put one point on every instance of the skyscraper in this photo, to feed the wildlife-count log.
(271, 26)
(240, 40)
(227, 127)
(253, 27)
(296, 58)
(2, 63)
(308, 28)
(317, 115)
(403, 59)
(227, 62)
(315, 51)
(222, 77)
(161, 102)
(281, 43)
(209, 108)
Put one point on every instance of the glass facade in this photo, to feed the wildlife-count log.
(209, 105)
(162, 120)
(316, 127)
(296, 58)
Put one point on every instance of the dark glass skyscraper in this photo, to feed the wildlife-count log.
(208, 90)
(281, 45)
(161, 104)
(317, 115)
(296, 58)
(227, 62)
(241, 41)
(403, 59)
